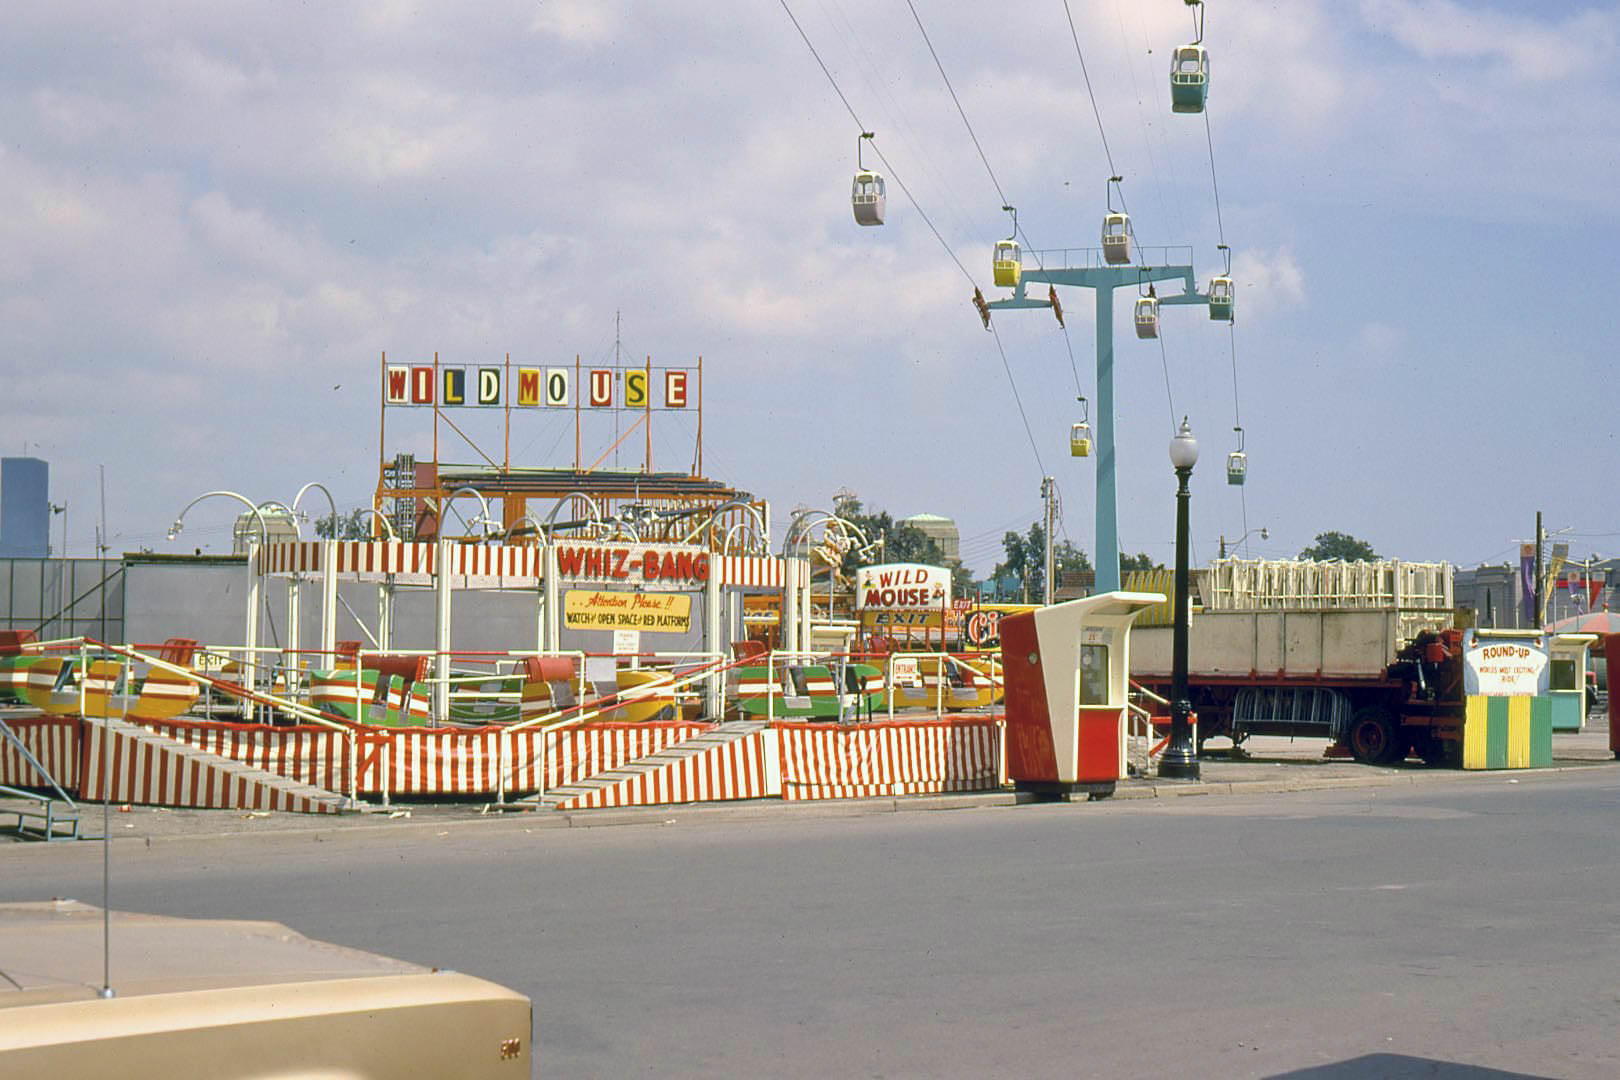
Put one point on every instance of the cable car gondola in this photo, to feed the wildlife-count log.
(1222, 298)
(866, 196)
(1007, 262)
(1147, 315)
(1080, 434)
(1189, 69)
(1116, 230)
(1237, 463)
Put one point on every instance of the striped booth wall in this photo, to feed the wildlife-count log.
(821, 761)
(1507, 732)
(734, 770)
(55, 743)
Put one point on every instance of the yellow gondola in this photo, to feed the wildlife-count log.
(1007, 262)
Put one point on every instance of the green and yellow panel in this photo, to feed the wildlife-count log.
(1507, 732)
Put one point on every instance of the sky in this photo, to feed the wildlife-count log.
(215, 219)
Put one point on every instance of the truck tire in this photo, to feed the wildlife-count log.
(1374, 738)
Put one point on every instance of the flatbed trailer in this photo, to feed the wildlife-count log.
(1380, 683)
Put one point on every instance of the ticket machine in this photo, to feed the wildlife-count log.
(1067, 670)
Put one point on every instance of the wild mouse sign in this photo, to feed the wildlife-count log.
(1502, 667)
(902, 594)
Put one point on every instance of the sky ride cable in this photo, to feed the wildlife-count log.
(920, 213)
(894, 175)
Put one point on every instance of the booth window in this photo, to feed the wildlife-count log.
(1094, 675)
(1563, 675)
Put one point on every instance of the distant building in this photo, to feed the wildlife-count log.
(279, 525)
(25, 509)
(1495, 593)
(941, 530)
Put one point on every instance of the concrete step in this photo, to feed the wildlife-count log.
(661, 759)
(152, 768)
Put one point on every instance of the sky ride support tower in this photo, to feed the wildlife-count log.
(1087, 268)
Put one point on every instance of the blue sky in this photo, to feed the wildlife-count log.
(215, 219)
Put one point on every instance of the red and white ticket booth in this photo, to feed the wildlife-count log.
(1068, 668)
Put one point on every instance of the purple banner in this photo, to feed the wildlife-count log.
(1527, 572)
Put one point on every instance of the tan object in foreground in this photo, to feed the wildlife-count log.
(226, 999)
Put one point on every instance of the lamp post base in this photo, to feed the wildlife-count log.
(1178, 765)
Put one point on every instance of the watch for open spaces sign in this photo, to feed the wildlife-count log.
(666, 613)
(533, 387)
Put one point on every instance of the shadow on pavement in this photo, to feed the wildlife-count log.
(1401, 1067)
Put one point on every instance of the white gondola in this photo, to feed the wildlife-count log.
(1147, 316)
(1116, 238)
(1189, 68)
(866, 195)
(1237, 467)
(1189, 79)
(1080, 434)
(1221, 298)
(1007, 262)
(1237, 463)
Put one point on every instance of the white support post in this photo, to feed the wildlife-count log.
(250, 656)
(713, 642)
(385, 615)
(553, 600)
(290, 653)
(329, 597)
(441, 631)
(790, 605)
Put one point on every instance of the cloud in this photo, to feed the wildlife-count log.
(1531, 49)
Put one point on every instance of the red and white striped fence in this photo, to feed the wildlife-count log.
(54, 742)
(824, 761)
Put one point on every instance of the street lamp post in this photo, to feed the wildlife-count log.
(1180, 760)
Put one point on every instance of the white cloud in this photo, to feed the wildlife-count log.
(1531, 49)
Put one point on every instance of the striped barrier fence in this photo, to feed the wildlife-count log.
(127, 763)
(730, 771)
(312, 755)
(55, 743)
(821, 761)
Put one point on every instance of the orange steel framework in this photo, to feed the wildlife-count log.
(666, 506)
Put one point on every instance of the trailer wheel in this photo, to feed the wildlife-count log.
(1373, 737)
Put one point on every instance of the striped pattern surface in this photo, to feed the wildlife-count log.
(54, 742)
(734, 770)
(761, 571)
(897, 758)
(141, 766)
(1507, 732)
(375, 558)
(579, 752)
(312, 755)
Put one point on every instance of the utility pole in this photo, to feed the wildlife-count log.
(1049, 495)
(1536, 595)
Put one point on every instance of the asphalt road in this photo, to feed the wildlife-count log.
(1448, 930)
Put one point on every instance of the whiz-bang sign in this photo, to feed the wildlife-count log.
(532, 387)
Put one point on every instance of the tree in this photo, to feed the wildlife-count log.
(900, 543)
(1026, 561)
(1341, 546)
(352, 526)
(1140, 561)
